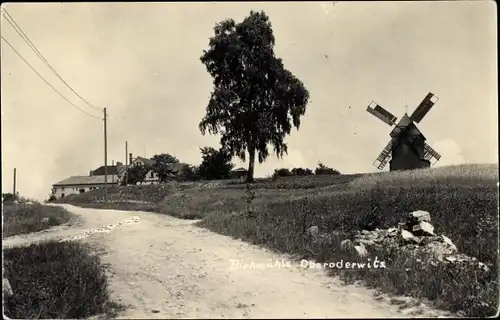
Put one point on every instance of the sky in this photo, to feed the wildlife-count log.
(141, 62)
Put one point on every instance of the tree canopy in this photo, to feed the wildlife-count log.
(255, 101)
(215, 164)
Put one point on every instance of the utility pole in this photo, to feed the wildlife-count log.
(126, 163)
(14, 193)
(105, 158)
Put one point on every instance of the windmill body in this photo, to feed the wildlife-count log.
(407, 148)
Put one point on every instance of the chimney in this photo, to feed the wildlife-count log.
(129, 159)
(90, 174)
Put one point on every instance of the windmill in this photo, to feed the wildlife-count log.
(407, 148)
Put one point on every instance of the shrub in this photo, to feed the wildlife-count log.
(302, 172)
(55, 280)
(322, 169)
(24, 218)
(283, 172)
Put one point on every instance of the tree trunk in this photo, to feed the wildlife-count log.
(251, 165)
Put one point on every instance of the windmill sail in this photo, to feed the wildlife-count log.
(430, 153)
(381, 113)
(385, 155)
(424, 107)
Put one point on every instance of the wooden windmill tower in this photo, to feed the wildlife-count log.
(407, 146)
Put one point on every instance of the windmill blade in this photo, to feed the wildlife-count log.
(430, 153)
(381, 113)
(424, 107)
(384, 156)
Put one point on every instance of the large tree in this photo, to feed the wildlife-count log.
(255, 100)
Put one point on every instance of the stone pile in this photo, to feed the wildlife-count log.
(414, 235)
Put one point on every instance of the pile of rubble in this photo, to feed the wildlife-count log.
(415, 235)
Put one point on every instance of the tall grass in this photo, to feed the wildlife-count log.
(26, 218)
(54, 280)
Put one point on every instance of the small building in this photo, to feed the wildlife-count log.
(81, 184)
(239, 173)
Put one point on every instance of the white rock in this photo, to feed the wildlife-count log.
(419, 215)
(407, 235)
(45, 220)
(391, 232)
(362, 252)
(313, 230)
(424, 227)
(449, 242)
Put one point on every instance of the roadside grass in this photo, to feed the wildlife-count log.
(56, 280)
(26, 218)
(463, 204)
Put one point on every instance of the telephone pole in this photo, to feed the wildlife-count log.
(105, 158)
(126, 163)
(14, 193)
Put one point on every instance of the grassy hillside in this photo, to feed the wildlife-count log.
(462, 200)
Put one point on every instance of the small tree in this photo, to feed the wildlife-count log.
(190, 173)
(137, 173)
(165, 158)
(216, 164)
(322, 169)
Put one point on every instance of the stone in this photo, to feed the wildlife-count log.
(402, 226)
(45, 220)
(392, 232)
(362, 252)
(313, 231)
(423, 228)
(448, 241)
(419, 216)
(346, 245)
(6, 288)
(407, 235)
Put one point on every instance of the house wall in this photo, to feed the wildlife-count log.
(74, 189)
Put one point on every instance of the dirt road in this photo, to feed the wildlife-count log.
(162, 267)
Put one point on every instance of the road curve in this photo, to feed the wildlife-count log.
(162, 267)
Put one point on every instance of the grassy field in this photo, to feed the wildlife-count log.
(51, 280)
(26, 218)
(462, 200)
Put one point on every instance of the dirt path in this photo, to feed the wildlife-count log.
(162, 267)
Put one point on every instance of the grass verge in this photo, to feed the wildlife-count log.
(26, 218)
(56, 280)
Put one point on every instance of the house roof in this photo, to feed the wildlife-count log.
(240, 170)
(84, 180)
(100, 171)
(144, 160)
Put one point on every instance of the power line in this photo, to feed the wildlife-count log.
(62, 96)
(26, 39)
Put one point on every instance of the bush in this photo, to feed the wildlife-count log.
(283, 172)
(322, 169)
(56, 280)
(302, 172)
(27, 218)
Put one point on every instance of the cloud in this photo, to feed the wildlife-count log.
(450, 151)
